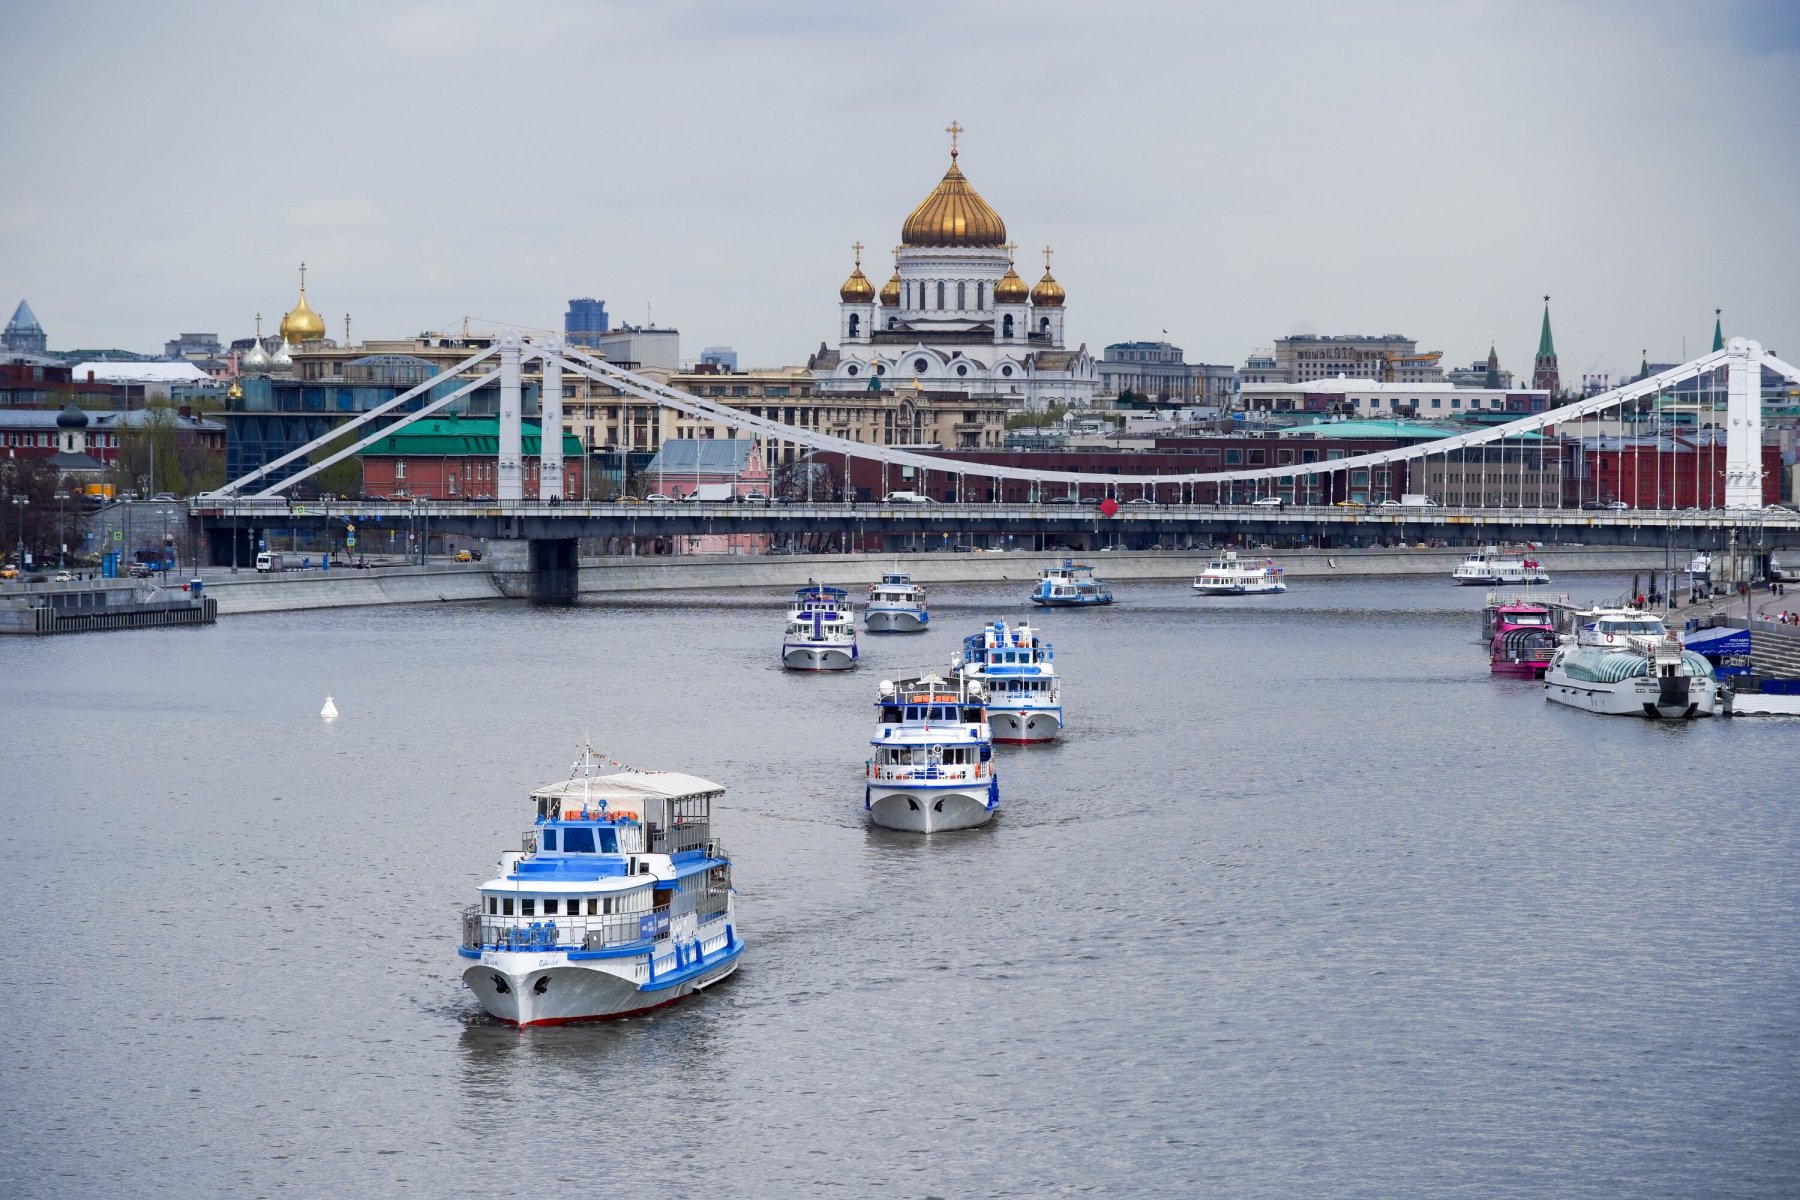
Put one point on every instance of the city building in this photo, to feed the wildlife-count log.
(34, 433)
(722, 357)
(585, 322)
(1671, 470)
(713, 470)
(456, 458)
(955, 316)
(37, 381)
(1481, 374)
(1155, 372)
(194, 347)
(636, 347)
(1368, 397)
(23, 333)
(1308, 356)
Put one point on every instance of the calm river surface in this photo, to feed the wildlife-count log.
(1306, 904)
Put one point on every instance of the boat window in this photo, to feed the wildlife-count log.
(606, 906)
(609, 841)
(593, 906)
(890, 714)
(578, 841)
(528, 907)
(493, 904)
(549, 839)
(550, 906)
(912, 712)
(506, 907)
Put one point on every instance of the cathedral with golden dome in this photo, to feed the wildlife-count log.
(956, 316)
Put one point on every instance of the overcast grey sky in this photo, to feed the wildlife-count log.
(1228, 171)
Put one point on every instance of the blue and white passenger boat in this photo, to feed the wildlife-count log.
(821, 631)
(1226, 575)
(1625, 662)
(1069, 584)
(619, 900)
(896, 605)
(933, 766)
(1017, 673)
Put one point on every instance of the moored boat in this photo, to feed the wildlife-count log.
(1227, 575)
(821, 632)
(1069, 584)
(1520, 632)
(1488, 566)
(896, 605)
(1625, 662)
(1016, 669)
(619, 900)
(933, 764)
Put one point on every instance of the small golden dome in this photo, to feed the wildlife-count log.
(857, 289)
(953, 215)
(302, 324)
(890, 292)
(1011, 289)
(234, 391)
(1048, 293)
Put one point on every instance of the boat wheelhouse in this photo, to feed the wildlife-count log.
(821, 630)
(1227, 575)
(618, 900)
(896, 605)
(1625, 662)
(1069, 584)
(1017, 672)
(1489, 566)
(933, 767)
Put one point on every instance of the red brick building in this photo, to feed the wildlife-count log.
(457, 458)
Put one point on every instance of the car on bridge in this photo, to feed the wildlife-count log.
(1270, 502)
(658, 498)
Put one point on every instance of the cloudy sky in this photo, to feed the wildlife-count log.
(1230, 170)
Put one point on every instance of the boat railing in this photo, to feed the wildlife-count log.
(712, 903)
(683, 836)
(928, 773)
(486, 931)
(716, 849)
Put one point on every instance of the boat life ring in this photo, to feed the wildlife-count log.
(1609, 637)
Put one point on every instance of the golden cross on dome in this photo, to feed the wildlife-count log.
(896, 258)
(1047, 253)
(303, 277)
(1011, 249)
(259, 327)
(856, 247)
(955, 131)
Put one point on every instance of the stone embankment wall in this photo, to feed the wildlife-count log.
(342, 588)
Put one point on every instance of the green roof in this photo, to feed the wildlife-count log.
(1718, 332)
(457, 437)
(1414, 430)
(1546, 347)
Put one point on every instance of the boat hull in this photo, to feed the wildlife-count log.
(1022, 726)
(925, 810)
(896, 620)
(548, 989)
(1639, 696)
(818, 658)
(1071, 602)
(1527, 578)
(1519, 670)
(1239, 589)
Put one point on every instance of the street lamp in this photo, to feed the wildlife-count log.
(19, 503)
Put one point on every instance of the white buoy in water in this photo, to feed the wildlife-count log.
(329, 712)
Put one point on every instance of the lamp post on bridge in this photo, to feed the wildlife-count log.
(20, 502)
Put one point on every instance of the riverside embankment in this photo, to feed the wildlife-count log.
(601, 577)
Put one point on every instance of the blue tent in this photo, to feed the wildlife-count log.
(1718, 642)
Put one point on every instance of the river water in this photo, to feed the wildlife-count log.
(1306, 904)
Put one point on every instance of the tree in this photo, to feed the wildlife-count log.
(48, 517)
(147, 461)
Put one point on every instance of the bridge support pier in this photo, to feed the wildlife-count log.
(542, 570)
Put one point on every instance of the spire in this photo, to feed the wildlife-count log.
(1544, 375)
(1546, 347)
(1718, 329)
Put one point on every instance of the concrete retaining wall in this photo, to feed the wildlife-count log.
(348, 588)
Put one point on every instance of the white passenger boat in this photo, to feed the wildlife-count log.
(896, 605)
(1069, 584)
(1488, 566)
(619, 900)
(933, 765)
(1017, 672)
(1625, 662)
(821, 632)
(1227, 575)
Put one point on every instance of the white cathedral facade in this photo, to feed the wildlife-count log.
(956, 316)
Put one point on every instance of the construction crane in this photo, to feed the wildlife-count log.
(1388, 359)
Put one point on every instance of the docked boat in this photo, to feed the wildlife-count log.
(896, 605)
(933, 764)
(821, 632)
(1488, 566)
(1016, 669)
(619, 900)
(1227, 575)
(1520, 632)
(1069, 584)
(1625, 662)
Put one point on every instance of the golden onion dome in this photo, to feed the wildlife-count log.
(1048, 293)
(302, 324)
(1011, 289)
(890, 292)
(235, 392)
(857, 289)
(953, 215)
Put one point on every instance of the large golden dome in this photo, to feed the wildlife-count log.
(953, 215)
(302, 324)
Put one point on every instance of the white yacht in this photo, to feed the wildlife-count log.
(1488, 566)
(896, 605)
(1625, 662)
(933, 765)
(821, 631)
(1016, 669)
(618, 900)
(1227, 575)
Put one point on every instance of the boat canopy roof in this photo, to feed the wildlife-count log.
(626, 791)
(817, 591)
